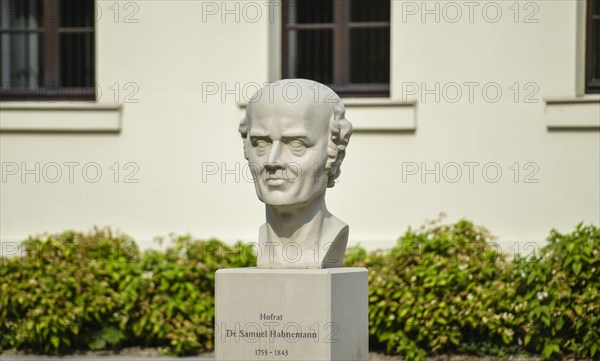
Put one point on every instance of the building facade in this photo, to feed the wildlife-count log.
(486, 110)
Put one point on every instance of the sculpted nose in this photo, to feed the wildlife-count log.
(274, 161)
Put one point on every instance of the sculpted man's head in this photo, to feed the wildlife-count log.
(295, 136)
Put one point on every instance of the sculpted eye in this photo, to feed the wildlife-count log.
(296, 145)
(260, 143)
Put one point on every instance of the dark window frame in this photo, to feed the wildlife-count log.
(51, 31)
(341, 26)
(592, 53)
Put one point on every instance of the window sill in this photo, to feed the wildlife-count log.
(60, 117)
(378, 114)
(573, 112)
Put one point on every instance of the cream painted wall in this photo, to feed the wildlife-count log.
(176, 139)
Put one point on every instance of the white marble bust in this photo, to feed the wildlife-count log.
(295, 135)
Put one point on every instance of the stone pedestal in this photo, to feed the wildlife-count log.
(292, 314)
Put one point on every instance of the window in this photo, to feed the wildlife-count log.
(47, 50)
(342, 43)
(592, 54)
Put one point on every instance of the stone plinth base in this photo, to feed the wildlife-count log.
(292, 314)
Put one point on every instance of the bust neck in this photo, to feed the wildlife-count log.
(298, 223)
(302, 236)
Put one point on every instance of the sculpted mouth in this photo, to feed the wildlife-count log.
(275, 176)
(273, 181)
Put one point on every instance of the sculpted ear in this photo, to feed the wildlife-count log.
(243, 129)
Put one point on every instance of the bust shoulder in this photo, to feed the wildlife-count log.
(334, 241)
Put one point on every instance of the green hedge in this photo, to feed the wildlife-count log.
(95, 291)
(447, 289)
(441, 289)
